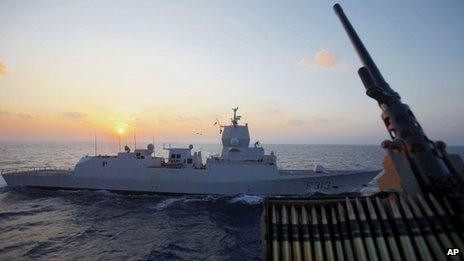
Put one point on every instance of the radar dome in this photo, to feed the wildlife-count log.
(234, 142)
(150, 148)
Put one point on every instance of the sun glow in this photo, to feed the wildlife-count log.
(120, 130)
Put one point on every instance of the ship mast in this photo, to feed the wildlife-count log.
(236, 118)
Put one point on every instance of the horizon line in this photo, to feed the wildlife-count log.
(209, 143)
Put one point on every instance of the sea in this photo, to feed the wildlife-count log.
(100, 225)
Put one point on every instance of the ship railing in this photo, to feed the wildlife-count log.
(29, 169)
(295, 171)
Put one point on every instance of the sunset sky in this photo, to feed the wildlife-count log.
(168, 69)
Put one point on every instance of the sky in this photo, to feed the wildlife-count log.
(169, 69)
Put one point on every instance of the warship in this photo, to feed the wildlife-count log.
(240, 169)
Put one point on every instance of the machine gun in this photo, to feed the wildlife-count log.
(418, 214)
(434, 170)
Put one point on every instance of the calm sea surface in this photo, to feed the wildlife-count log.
(101, 225)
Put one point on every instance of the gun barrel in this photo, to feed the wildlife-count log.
(361, 49)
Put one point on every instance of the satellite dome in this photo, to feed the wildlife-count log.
(150, 148)
(234, 142)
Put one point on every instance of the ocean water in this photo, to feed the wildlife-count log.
(42, 224)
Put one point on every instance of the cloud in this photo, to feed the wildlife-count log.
(2, 68)
(320, 120)
(324, 59)
(178, 119)
(298, 123)
(74, 115)
(4, 113)
(137, 122)
(181, 119)
(25, 116)
(295, 122)
(22, 116)
(185, 119)
(216, 116)
(275, 111)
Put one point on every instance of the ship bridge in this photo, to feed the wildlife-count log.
(236, 142)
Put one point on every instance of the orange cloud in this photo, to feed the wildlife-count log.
(4, 113)
(323, 59)
(74, 115)
(24, 116)
(2, 68)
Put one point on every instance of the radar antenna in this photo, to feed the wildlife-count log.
(236, 118)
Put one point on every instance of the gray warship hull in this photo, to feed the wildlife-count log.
(197, 181)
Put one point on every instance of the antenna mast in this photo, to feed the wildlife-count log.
(135, 139)
(135, 142)
(119, 142)
(236, 118)
(95, 143)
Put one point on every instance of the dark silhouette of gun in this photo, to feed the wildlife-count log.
(428, 161)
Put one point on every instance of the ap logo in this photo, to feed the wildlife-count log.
(452, 251)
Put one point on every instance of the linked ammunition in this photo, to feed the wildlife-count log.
(457, 242)
(316, 235)
(326, 235)
(355, 232)
(344, 231)
(275, 235)
(307, 253)
(416, 232)
(372, 253)
(427, 231)
(336, 235)
(377, 231)
(405, 241)
(296, 248)
(285, 245)
(394, 250)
